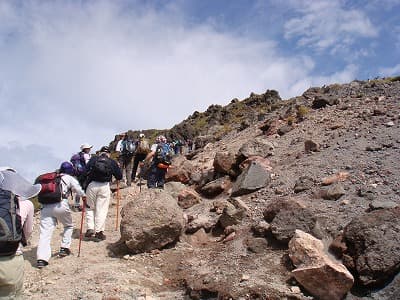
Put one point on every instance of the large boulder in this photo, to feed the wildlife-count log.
(180, 170)
(255, 177)
(187, 198)
(151, 220)
(321, 276)
(373, 243)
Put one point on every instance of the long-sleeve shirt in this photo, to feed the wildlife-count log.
(69, 183)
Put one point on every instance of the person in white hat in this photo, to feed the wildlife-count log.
(12, 186)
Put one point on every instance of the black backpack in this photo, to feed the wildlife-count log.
(102, 167)
(11, 232)
(51, 191)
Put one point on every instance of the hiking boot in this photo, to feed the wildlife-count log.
(89, 233)
(64, 252)
(41, 263)
(100, 236)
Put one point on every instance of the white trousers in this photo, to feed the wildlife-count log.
(98, 199)
(49, 216)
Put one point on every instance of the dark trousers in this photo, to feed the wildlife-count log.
(138, 158)
(156, 177)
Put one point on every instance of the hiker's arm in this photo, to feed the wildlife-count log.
(116, 171)
(76, 187)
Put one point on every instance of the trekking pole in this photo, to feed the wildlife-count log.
(81, 230)
(116, 223)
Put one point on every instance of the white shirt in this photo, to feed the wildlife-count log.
(153, 147)
(118, 148)
(69, 183)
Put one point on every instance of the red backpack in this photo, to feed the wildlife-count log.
(51, 191)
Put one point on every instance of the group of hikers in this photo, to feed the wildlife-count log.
(85, 177)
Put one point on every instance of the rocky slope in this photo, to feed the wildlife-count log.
(294, 199)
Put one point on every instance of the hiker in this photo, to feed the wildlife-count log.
(79, 161)
(55, 208)
(12, 187)
(26, 211)
(101, 169)
(118, 147)
(160, 157)
(190, 145)
(125, 159)
(142, 149)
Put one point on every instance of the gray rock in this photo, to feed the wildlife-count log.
(257, 147)
(151, 221)
(285, 223)
(372, 242)
(334, 192)
(231, 216)
(252, 179)
(377, 204)
(304, 183)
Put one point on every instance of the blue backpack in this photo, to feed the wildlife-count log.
(163, 154)
(10, 224)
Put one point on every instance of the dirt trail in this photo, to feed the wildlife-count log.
(96, 274)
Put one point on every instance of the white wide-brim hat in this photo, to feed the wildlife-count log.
(18, 185)
(86, 146)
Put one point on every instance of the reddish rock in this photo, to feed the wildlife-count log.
(341, 176)
(311, 146)
(224, 163)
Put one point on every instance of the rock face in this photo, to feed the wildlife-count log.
(255, 177)
(315, 270)
(151, 221)
(373, 243)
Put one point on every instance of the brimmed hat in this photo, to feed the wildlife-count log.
(86, 146)
(15, 183)
(141, 135)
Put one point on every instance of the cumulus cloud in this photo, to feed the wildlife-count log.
(327, 25)
(75, 72)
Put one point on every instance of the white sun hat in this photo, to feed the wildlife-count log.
(18, 185)
(86, 146)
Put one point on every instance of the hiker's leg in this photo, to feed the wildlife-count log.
(11, 276)
(152, 180)
(63, 214)
(47, 225)
(91, 202)
(135, 166)
(102, 203)
(129, 171)
(160, 177)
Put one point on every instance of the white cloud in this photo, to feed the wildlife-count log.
(390, 71)
(75, 72)
(326, 24)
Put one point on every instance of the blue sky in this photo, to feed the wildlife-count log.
(82, 71)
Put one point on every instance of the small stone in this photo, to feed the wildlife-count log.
(244, 278)
(389, 124)
(126, 256)
(295, 289)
